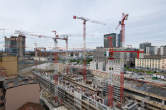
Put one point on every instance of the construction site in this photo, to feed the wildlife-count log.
(81, 87)
(76, 78)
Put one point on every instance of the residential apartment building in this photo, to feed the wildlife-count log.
(156, 63)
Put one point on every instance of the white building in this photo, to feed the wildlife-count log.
(157, 63)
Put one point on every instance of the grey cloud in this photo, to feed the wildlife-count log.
(146, 19)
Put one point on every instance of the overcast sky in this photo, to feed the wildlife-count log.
(146, 21)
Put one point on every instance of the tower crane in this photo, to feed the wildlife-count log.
(122, 31)
(60, 37)
(31, 34)
(122, 24)
(84, 38)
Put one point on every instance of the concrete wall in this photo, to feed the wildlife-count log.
(40, 58)
(10, 64)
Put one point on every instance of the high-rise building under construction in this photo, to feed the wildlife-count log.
(15, 45)
(116, 40)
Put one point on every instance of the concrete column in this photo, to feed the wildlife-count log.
(163, 102)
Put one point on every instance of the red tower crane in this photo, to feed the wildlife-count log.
(84, 39)
(60, 37)
(110, 87)
(122, 31)
(124, 17)
(121, 22)
(111, 51)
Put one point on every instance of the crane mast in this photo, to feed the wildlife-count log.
(124, 17)
(122, 31)
(84, 39)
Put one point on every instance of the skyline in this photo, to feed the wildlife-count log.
(145, 22)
